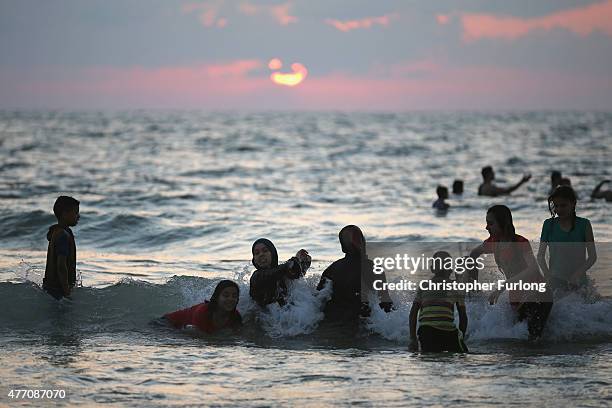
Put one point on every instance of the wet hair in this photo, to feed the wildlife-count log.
(458, 187)
(63, 204)
(213, 303)
(352, 240)
(555, 176)
(565, 182)
(271, 248)
(442, 191)
(566, 192)
(503, 216)
(486, 171)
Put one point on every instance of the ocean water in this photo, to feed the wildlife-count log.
(171, 202)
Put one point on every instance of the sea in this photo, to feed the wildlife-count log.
(171, 202)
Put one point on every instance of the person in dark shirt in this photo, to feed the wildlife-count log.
(269, 281)
(218, 313)
(350, 277)
(60, 269)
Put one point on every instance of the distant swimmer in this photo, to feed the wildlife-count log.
(214, 315)
(516, 261)
(269, 281)
(60, 269)
(488, 188)
(555, 180)
(440, 204)
(570, 242)
(352, 279)
(597, 193)
(458, 187)
(435, 310)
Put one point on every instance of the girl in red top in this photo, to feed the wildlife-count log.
(516, 261)
(218, 313)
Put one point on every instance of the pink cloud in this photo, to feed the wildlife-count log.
(208, 13)
(442, 19)
(368, 22)
(581, 21)
(280, 13)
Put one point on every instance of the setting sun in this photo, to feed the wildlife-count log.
(288, 79)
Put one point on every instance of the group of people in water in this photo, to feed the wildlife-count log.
(489, 188)
(567, 237)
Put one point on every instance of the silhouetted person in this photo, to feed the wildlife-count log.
(352, 279)
(440, 204)
(488, 188)
(269, 281)
(555, 180)
(597, 193)
(60, 269)
(458, 187)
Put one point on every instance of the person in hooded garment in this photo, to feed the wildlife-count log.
(60, 269)
(352, 278)
(218, 313)
(269, 281)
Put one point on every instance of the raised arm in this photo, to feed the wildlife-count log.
(596, 191)
(265, 275)
(472, 274)
(508, 190)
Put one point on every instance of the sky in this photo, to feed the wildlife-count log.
(345, 55)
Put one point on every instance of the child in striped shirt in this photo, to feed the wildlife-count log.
(435, 310)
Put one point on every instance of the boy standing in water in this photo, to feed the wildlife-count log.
(60, 270)
(435, 310)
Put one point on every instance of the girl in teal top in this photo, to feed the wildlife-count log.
(569, 239)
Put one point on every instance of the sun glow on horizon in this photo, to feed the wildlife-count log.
(287, 79)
